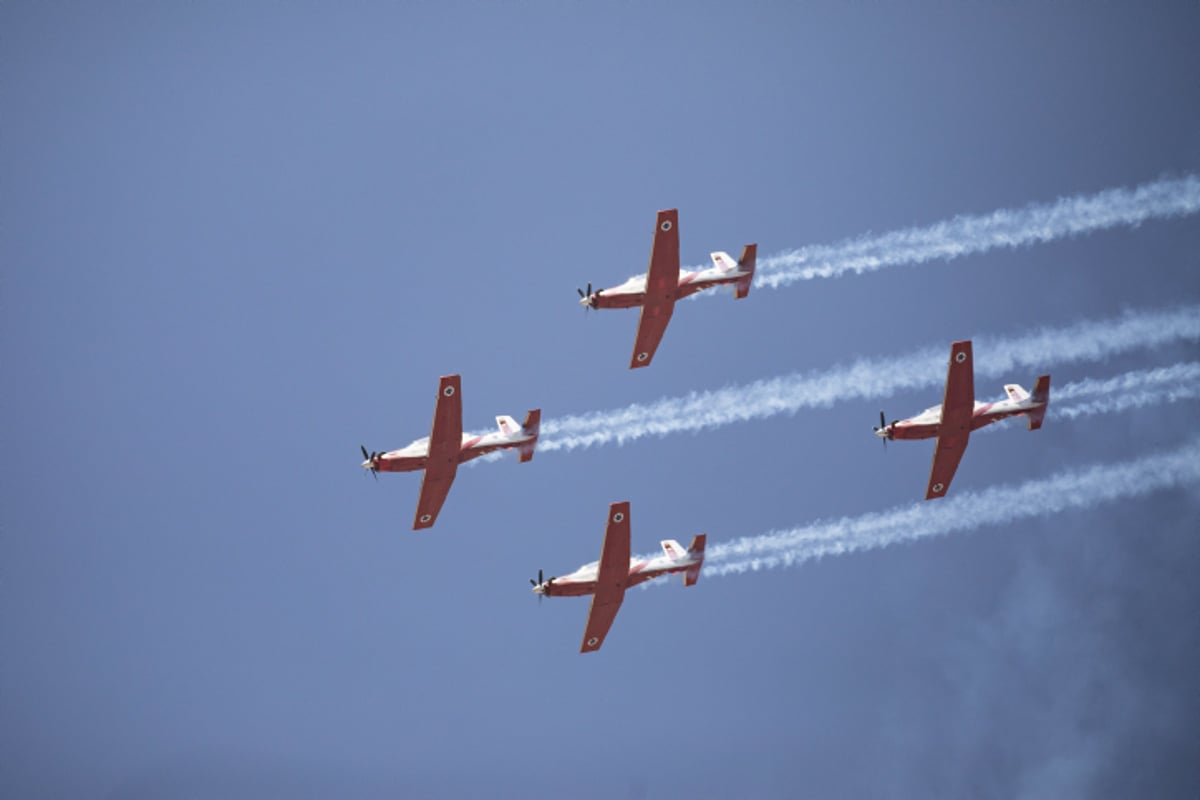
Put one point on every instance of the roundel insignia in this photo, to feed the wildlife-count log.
(666, 225)
(425, 518)
(448, 391)
(618, 517)
(642, 356)
(960, 357)
(937, 488)
(592, 641)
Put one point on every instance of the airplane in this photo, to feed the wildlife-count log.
(959, 414)
(607, 579)
(440, 453)
(664, 283)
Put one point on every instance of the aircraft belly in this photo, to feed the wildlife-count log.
(983, 420)
(649, 575)
(572, 589)
(402, 464)
(620, 300)
(915, 431)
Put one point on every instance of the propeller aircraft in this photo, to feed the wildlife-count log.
(959, 414)
(664, 283)
(607, 579)
(440, 453)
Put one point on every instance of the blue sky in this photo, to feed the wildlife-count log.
(240, 240)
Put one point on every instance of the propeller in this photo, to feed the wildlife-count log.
(374, 464)
(883, 427)
(587, 297)
(540, 582)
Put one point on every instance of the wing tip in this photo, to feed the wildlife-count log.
(618, 512)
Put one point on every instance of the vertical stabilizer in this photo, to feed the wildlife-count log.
(1015, 391)
(673, 549)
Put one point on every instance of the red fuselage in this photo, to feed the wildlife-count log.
(399, 461)
(688, 285)
(639, 572)
(918, 428)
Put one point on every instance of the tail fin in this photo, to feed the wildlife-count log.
(1015, 391)
(507, 425)
(1041, 395)
(531, 427)
(696, 551)
(746, 263)
(673, 549)
(723, 261)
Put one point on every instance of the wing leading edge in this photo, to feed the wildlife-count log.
(445, 442)
(954, 431)
(611, 577)
(662, 282)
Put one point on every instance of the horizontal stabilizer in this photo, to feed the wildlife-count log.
(1041, 395)
(696, 551)
(746, 264)
(531, 427)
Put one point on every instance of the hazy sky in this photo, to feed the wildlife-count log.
(240, 240)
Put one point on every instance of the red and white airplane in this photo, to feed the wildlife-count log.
(959, 414)
(447, 446)
(607, 579)
(664, 283)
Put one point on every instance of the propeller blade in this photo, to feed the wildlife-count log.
(533, 583)
(589, 294)
(364, 451)
(581, 294)
(539, 576)
(882, 424)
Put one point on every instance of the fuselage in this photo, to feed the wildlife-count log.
(583, 580)
(474, 445)
(927, 424)
(632, 293)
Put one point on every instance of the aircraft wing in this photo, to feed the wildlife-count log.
(662, 282)
(445, 442)
(611, 577)
(958, 407)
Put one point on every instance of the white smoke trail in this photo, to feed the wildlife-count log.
(1076, 489)
(965, 235)
(1138, 380)
(1133, 390)
(1137, 389)
(1128, 401)
(869, 378)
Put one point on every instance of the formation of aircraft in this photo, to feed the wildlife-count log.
(664, 283)
(959, 414)
(656, 292)
(607, 579)
(440, 453)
